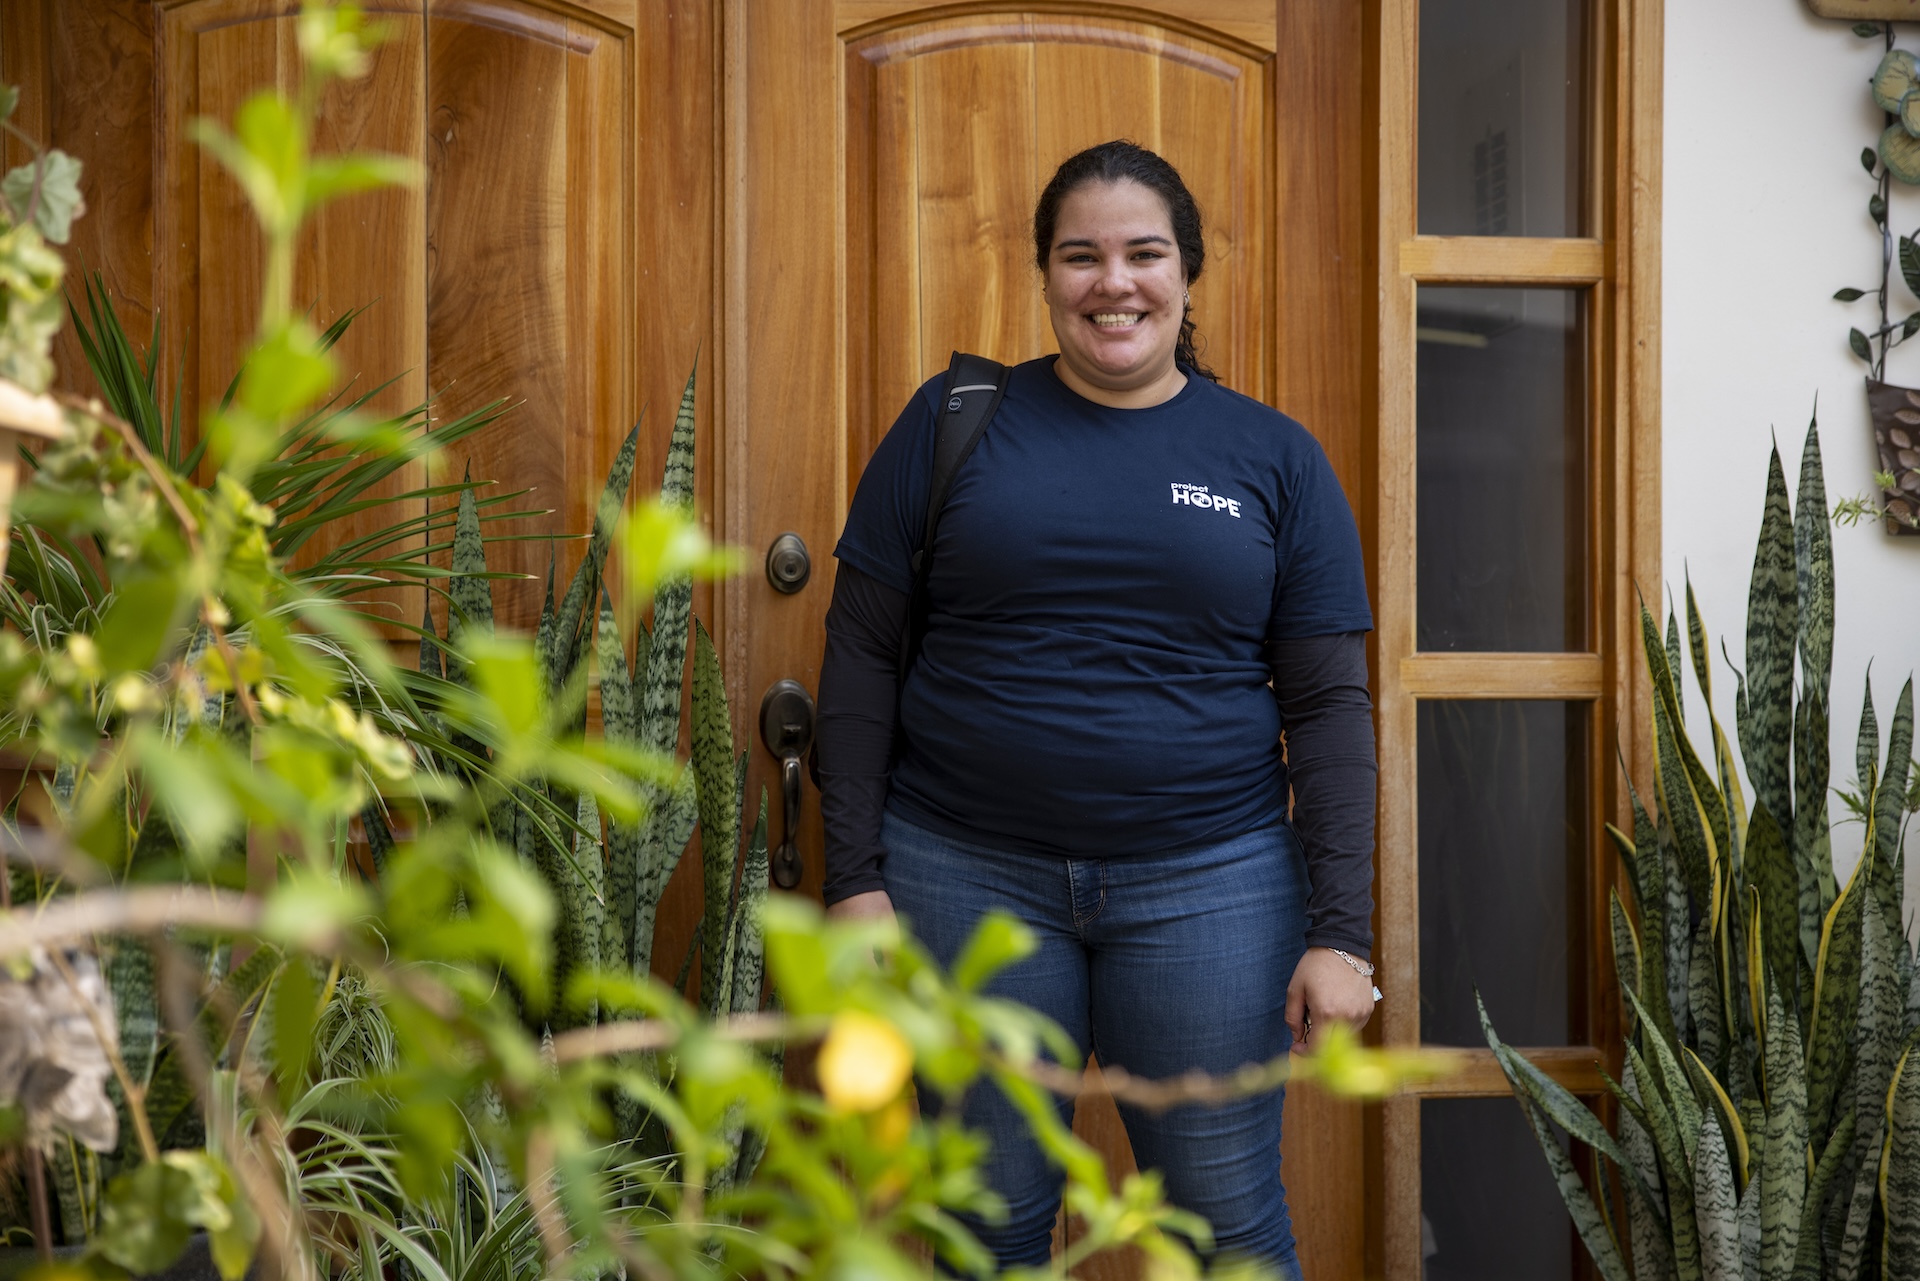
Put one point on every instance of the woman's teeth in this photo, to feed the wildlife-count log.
(1116, 320)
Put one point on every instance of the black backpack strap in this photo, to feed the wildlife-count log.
(968, 399)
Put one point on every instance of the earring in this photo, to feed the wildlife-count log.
(1187, 297)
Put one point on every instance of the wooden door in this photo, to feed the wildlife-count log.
(884, 159)
(817, 199)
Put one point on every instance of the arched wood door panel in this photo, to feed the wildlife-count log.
(507, 274)
(953, 126)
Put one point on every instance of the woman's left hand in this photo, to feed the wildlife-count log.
(1325, 988)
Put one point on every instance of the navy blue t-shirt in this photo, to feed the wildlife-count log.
(1093, 680)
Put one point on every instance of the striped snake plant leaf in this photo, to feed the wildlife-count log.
(1900, 1175)
(1733, 1132)
(1771, 874)
(1716, 1206)
(373, 821)
(1678, 916)
(1626, 956)
(1704, 1001)
(1638, 1142)
(1732, 797)
(1813, 574)
(1555, 1100)
(546, 635)
(1766, 731)
(1836, 998)
(1669, 1081)
(1881, 1025)
(1595, 1233)
(1629, 858)
(749, 962)
(1810, 837)
(664, 834)
(722, 991)
(620, 723)
(584, 589)
(1783, 1160)
(1889, 799)
(431, 662)
(1756, 970)
(1808, 1263)
(1675, 662)
(1862, 1202)
(583, 912)
(715, 771)
(1650, 896)
(1680, 804)
(676, 483)
(1675, 1160)
(170, 1096)
(1866, 749)
(468, 590)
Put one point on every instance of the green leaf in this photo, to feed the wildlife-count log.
(1836, 998)
(1783, 1159)
(1766, 732)
(1858, 342)
(1715, 1206)
(1866, 751)
(329, 177)
(1866, 30)
(997, 941)
(1889, 795)
(149, 1213)
(1626, 953)
(145, 621)
(1838, 1147)
(749, 960)
(619, 724)
(57, 202)
(714, 769)
(585, 586)
(1850, 294)
(1900, 1175)
(1813, 570)
(1877, 209)
(285, 374)
(1770, 872)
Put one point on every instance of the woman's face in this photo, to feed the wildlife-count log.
(1115, 289)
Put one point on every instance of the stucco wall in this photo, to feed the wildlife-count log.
(1765, 216)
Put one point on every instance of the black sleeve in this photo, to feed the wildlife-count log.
(1321, 683)
(859, 696)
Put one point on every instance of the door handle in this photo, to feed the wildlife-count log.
(786, 727)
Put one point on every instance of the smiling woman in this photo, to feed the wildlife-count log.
(1139, 580)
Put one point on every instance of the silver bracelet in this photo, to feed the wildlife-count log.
(1364, 969)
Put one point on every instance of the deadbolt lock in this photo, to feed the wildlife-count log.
(788, 565)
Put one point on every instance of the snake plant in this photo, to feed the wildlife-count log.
(608, 875)
(1769, 1105)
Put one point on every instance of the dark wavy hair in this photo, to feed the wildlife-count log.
(1123, 161)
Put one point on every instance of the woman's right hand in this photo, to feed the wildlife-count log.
(874, 905)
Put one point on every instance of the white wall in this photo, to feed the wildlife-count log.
(1765, 216)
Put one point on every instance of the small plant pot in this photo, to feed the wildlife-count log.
(1896, 433)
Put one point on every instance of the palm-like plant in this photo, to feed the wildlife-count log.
(1769, 1111)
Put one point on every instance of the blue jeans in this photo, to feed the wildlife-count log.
(1159, 964)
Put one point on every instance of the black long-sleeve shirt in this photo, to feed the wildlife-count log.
(1320, 683)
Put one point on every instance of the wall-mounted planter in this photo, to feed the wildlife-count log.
(1896, 433)
(1871, 10)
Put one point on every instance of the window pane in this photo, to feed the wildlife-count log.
(1501, 414)
(1488, 1207)
(1503, 823)
(1503, 92)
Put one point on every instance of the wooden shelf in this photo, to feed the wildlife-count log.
(1503, 260)
(1556, 676)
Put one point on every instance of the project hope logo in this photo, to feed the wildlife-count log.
(1197, 496)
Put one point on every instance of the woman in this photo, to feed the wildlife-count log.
(1139, 579)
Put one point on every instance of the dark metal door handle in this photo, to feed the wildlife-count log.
(786, 727)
